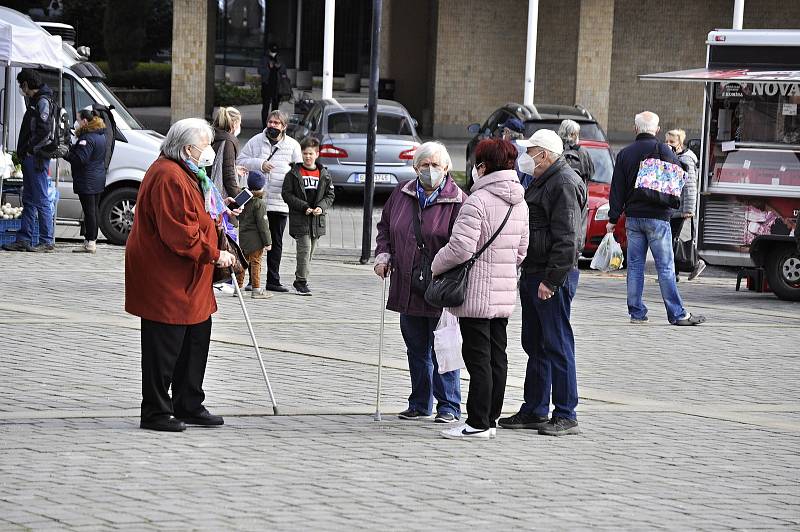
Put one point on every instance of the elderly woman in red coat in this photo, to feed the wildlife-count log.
(169, 265)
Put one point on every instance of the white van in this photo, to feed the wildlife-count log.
(134, 150)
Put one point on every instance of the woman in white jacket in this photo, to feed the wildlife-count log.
(272, 152)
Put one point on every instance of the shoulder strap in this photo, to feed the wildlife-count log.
(495, 235)
(417, 229)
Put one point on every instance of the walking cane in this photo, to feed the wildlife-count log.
(255, 343)
(380, 354)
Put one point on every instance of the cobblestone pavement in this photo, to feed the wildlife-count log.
(683, 428)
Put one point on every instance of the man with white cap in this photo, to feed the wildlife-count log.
(557, 200)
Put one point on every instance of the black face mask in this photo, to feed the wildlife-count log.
(273, 132)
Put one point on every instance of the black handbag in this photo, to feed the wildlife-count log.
(686, 253)
(450, 288)
(420, 273)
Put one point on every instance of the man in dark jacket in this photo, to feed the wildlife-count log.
(557, 201)
(34, 135)
(271, 70)
(577, 157)
(646, 224)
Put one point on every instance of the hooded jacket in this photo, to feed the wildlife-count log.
(492, 287)
(557, 211)
(396, 244)
(88, 158)
(294, 194)
(230, 151)
(689, 192)
(37, 125)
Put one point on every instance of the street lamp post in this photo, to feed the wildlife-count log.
(372, 130)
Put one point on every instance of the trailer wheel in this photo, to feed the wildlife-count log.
(116, 214)
(783, 273)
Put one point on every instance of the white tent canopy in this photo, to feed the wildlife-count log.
(31, 47)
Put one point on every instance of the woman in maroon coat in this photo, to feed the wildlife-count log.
(169, 265)
(435, 199)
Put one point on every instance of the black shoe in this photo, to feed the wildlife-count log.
(522, 420)
(301, 288)
(42, 248)
(276, 288)
(413, 414)
(205, 419)
(164, 425)
(560, 426)
(445, 417)
(19, 245)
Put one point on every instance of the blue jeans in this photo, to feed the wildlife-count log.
(644, 233)
(548, 340)
(35, 201)
(425, 378)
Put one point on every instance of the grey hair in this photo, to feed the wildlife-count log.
(280, 115)
(569, 131)
(646, 122)
(189, 131)
(432, 149)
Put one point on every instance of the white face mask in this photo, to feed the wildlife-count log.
(207, 156)
(475, 175)
(237, 131)
(526, 164)
(76, 125)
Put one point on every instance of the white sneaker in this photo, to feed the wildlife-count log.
(224, 288)
(465, 432)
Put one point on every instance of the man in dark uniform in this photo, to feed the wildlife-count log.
(271, 71)
(34, 135)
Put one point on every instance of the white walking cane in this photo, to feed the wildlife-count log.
(255, 343)
(380, 354)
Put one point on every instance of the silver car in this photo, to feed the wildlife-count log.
(340, 125)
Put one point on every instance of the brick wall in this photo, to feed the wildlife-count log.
(678, 43)
(595, 40)
(480, 58)
(193, 35)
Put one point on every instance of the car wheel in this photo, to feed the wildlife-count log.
(783, 273)
(116, 214)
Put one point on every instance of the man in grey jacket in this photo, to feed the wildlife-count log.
(557, 206)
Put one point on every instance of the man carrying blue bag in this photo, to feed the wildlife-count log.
(648, 200)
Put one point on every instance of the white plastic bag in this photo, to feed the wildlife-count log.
(608, 256)
(447, 343)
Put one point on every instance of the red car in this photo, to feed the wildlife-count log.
(599, 190)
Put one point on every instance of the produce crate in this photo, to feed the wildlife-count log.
(9, 228)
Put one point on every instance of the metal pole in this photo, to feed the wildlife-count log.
(377, 416)
(530, 54)
(738, 14)
(297, 35)
(327, 53)
(372, 119)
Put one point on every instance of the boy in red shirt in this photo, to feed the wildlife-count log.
(308, 190)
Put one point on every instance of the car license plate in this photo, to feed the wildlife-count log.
(379, 178)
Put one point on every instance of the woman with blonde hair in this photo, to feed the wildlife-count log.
(227, 126)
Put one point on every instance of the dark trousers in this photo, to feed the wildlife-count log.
(484, 352)
(548, 340)
(269, 102)
(676, 226)
(277, 225)
(90, 203)
(426, 380)
(177, 355)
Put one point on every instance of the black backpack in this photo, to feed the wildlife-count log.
(57, 146)
(574, 161)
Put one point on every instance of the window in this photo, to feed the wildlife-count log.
(603, 164)
(755, 135)
(589, 130)
(356, 122)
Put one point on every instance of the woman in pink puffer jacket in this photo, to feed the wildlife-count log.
(492, 288)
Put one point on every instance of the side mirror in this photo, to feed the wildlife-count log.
(414, 121)
(474, 128)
